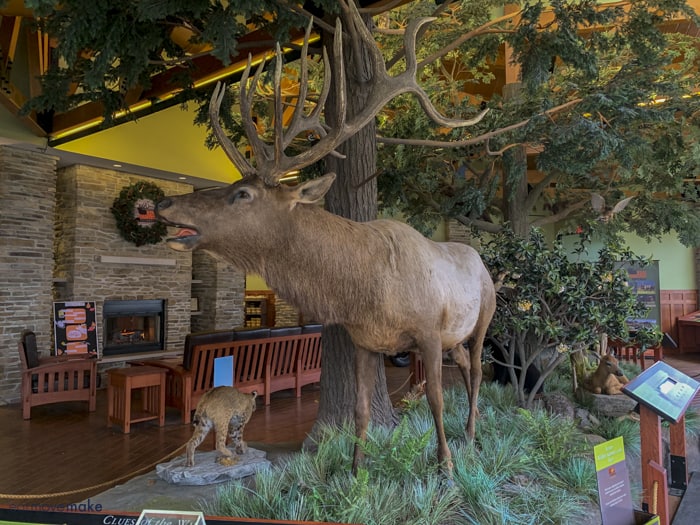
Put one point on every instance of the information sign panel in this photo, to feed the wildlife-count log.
(664, 390)
(614, 493)
(75, 330)
(168, 517)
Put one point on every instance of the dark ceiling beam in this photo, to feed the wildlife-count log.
(13, 100)
(204, 69)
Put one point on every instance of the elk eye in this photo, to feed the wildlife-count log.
(240, 194)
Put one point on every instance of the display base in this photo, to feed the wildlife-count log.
(207, 471)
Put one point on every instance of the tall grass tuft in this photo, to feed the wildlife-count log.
(692, 422)
(524, 467)
(628, 429)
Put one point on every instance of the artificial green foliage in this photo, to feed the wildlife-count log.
(626, 428)
(605, 111)
(554, 302)
(105, 49)
(398, 453)
(123, 209)
(586, 102)
(525, 467)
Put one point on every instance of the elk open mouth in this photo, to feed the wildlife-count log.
(185, 239)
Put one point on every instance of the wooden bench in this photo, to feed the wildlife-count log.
(262, 364)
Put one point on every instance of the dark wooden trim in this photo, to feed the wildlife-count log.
(675, 304)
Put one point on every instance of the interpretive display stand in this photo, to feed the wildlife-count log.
(662, 392)
(169, 517)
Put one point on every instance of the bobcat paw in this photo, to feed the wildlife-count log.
(227, 461)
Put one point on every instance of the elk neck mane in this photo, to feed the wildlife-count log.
(332, 268)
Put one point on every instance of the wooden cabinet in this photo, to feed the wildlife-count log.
(256, 311)
(689, 333)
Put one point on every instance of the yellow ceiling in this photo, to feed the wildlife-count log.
(167, 140)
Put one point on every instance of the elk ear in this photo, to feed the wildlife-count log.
(313, 191)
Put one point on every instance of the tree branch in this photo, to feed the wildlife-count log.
(488, 227)
(483, 30)
(561, 215)
(475, 140)
(303, 12)
(534, 195)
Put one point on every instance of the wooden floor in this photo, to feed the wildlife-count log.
(63, 448)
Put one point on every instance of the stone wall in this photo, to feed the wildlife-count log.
(220, 291)
(458, 232)
(285, 313)
(27, 204)
(60, 242)
(86, 236)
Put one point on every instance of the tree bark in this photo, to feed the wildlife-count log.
(352, 197)
(515, 190)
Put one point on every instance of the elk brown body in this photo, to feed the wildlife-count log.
(391, 288)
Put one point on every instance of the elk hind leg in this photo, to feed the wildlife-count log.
(476, 345)
(471, 382)
(432, 363)
(460, 358)
(365, 378)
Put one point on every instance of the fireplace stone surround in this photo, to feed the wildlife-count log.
(60, 243)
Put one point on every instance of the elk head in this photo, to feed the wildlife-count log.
(258, 201)
(255, 209)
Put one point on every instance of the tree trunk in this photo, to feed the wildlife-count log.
(515, 190)
(353, 195)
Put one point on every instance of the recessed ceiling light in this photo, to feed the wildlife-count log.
(182, 178)
(117, 165)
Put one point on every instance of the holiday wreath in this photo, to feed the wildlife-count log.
(135, 212)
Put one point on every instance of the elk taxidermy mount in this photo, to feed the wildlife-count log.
(390, 287)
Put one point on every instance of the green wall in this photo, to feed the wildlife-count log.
(676, 262)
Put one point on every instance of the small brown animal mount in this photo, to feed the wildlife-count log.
(608, 378)
(390, 287)
(227, 410)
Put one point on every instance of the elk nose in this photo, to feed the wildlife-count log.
(163, 203)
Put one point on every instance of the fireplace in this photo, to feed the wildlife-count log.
(133, 326)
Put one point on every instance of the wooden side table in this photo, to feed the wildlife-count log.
(122, 383)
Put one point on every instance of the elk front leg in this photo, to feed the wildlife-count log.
(431, 354)
(365, 375)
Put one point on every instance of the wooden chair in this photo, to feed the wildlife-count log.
(54, 379)
(630, 351)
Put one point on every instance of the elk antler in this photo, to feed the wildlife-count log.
(271, 161)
